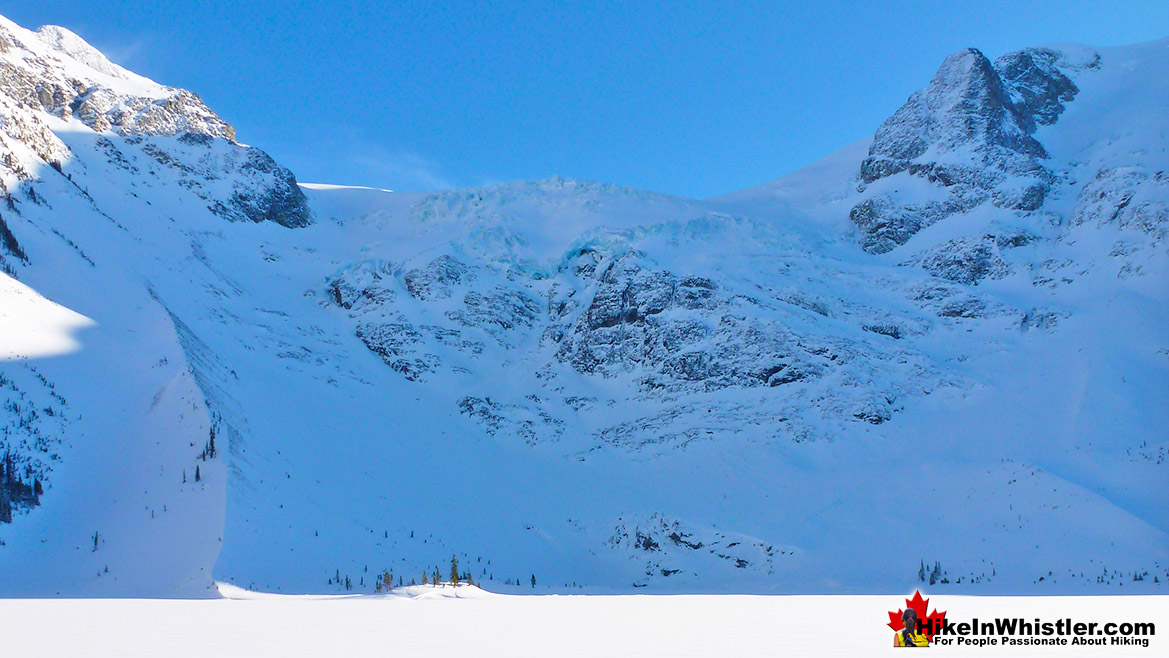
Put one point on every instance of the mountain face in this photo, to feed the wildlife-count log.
(58, 75)
(211, 372)
(969, 133)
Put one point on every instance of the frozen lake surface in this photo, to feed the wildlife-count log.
(469, 622)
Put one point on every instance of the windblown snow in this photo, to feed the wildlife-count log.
(211, 372)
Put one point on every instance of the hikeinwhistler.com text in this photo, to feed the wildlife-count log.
(1016, 631)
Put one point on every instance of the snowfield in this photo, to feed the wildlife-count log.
(437, 623)
(34, 327)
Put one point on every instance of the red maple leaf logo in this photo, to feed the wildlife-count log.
(930, 623)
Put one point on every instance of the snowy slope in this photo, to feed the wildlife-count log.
(607, 389)
(106, 176)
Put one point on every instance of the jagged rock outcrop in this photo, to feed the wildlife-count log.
(965, 105)
(966, 261)
(669, 548)
(970, 135)
(675, 332)
(1039, 88)
(1127, 197)
(54, 72)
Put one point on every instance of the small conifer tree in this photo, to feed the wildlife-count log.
(454, 570)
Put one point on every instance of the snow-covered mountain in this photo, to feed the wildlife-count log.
(943, 345)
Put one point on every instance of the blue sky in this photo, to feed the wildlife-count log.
(687, 98)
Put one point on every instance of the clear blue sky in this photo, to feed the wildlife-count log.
(688, 98)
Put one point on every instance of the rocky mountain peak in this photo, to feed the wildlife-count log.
(970, 133)
(53, 74)
(965, 107)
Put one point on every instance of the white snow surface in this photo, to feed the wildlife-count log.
(1027, 440)
(441, 623)
(34, 327)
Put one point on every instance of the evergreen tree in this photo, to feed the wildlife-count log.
(454, 570)
(437, 578)
(197, 475)
(533, 580)
(424, 581)
(469, 581)
(5, 505)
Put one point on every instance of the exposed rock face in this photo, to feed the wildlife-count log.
(1039, 88)
(668, 548)
(109, 98)
(435, 280)
(966, 261)
(55, 72)
(1128, 197)
(966, 104)
(886, 223)
(676, 331)
(970, 135)
(607, 312)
